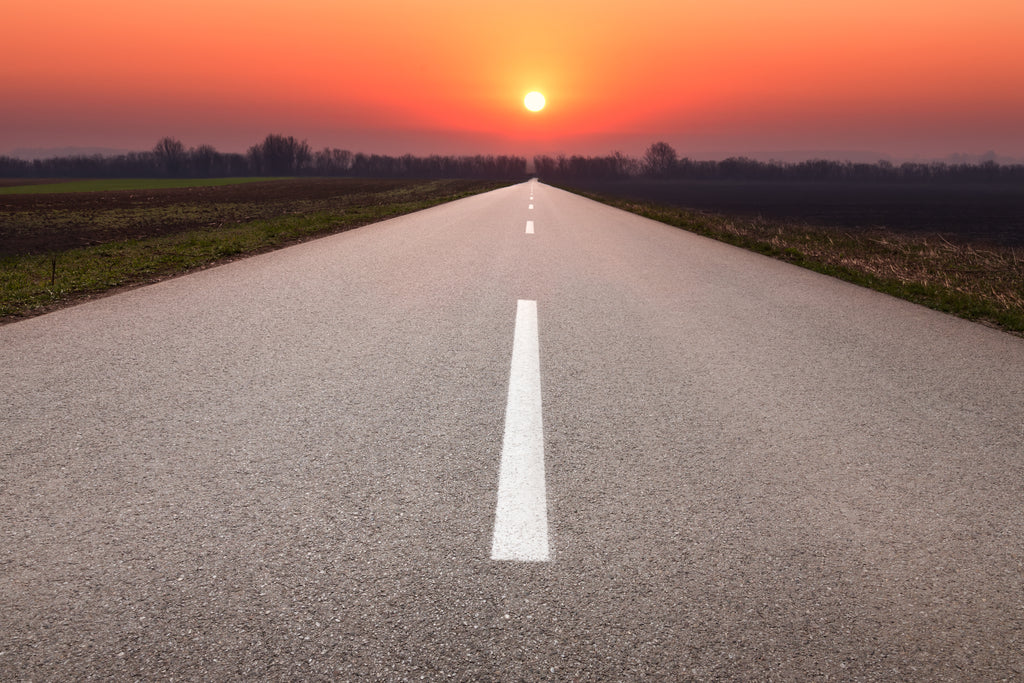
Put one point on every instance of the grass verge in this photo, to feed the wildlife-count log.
(979, 282)
(35, 283)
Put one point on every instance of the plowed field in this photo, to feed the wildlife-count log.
(43, 223)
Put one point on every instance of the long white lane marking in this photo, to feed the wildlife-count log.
(529, 227)
(521, 516)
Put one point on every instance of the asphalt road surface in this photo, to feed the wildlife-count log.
(288, 467)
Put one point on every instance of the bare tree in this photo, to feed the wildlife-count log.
(660, 160)
(280, 155)
(170, 156)
(204, 161)
(332, 162)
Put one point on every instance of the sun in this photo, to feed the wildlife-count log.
(534, 101)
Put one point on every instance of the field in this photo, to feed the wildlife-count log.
(958, 249)
(968, 213)
(60, 248)
(955, 249)
(19, 186)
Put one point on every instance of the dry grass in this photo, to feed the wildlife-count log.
(977, 281)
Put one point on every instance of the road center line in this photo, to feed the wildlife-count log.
(521, 516)
(529, 227)
(531, 206)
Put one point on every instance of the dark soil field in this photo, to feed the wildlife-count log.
(44, 223)
(967, 213)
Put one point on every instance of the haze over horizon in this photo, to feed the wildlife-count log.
(866, 80)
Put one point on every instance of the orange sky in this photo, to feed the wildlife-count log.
(905, 78)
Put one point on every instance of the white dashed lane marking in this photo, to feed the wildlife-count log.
(521, 515)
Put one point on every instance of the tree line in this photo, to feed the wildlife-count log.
(276, 155)
(279, 155)
(661, 161)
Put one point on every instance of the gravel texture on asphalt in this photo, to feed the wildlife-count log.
(286, 467)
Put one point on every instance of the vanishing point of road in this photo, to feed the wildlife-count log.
(521, 436)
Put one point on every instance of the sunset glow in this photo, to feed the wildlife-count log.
(907, 78)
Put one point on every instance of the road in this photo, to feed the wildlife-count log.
(287, 467)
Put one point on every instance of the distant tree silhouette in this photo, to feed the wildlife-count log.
(204, 162)
(332, 162)
(280, 155)
(660, 160)
(614, 166)
(171, 156)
